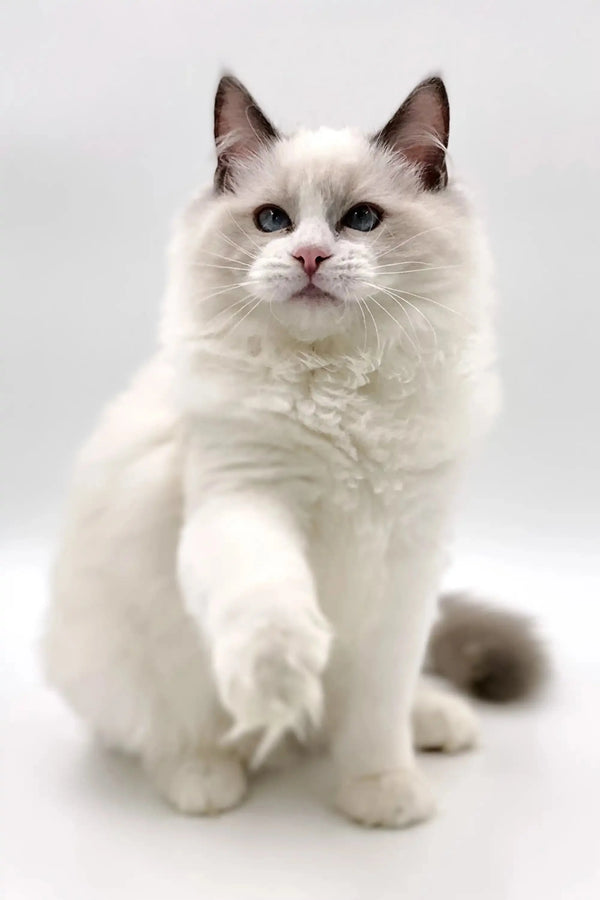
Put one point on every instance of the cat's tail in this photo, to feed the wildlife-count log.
(489, 652)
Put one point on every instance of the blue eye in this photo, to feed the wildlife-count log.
(271, 218)
(362, 217)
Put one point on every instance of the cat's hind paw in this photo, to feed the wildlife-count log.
(202, 785)
(443, 721)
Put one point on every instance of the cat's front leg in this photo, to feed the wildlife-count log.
(246, 582)
(379, 783)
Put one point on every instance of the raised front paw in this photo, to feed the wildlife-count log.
(387, 800)
(268, 666)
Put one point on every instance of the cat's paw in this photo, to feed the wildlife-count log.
(268, 672)
(202, 785)
(442, 721)
(389, 800)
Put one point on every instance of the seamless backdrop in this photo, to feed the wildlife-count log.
(106, 112)
(107, 121)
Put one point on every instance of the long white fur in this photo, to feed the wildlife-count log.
(257, 527)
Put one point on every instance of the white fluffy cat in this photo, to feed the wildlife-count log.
(257, 527)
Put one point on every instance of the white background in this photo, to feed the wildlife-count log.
(107, 128)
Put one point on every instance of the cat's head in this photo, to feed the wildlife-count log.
(327, 233)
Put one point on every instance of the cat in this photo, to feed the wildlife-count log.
(257, 528)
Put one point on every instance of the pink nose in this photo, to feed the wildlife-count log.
(311, 258)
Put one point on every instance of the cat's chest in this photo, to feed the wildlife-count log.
(362, 420)
(326, 430)
(372, 426)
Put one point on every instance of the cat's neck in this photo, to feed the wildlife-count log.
(340, 359)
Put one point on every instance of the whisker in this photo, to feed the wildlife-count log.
(412, 238)
(367, 307)
(394, 319)
(403, 262)
(276, 317)
(364, 324)
(422, 314)
(233, 313)
(232, 243)
(226, 258)
(436, 302)
(401, 302)
(244, 301)
(245, 233)
(428, 269)
(382, 230)
(391, 293)
(231, 287)
(201, 265)
(245, 316)
(229, 314)
(408, 318)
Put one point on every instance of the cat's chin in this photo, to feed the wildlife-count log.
(312, 318)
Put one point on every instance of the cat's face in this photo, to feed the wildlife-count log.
(329, 232)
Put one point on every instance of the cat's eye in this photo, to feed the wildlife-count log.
(362, 217)
(271, 218)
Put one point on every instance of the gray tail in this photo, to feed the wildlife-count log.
(486, 651)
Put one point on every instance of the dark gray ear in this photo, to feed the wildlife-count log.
(419, 131)
(241, 128)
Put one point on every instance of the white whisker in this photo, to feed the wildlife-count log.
(408, 318)
(391, 292)
(245, 233)
(422, 314)
(364, 324)
(436, 302)
(412, 238)
(232, 243)
(232, 259)
(202, 265)
(394, 319)
(403, 262)
(245, 316)
(380, 231)
(428, 269)
(374, 323)
(231, 312)
(231, 287)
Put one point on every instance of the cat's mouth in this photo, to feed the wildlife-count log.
(313, 294)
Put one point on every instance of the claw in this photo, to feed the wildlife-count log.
(271, 737)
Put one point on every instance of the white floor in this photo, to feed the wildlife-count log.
(519, 819)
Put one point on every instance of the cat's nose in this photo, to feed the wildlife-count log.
(310, 258)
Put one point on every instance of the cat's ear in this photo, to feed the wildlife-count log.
(241, 129)
(419, 131)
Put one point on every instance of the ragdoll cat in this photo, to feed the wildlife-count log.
(257, 527)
